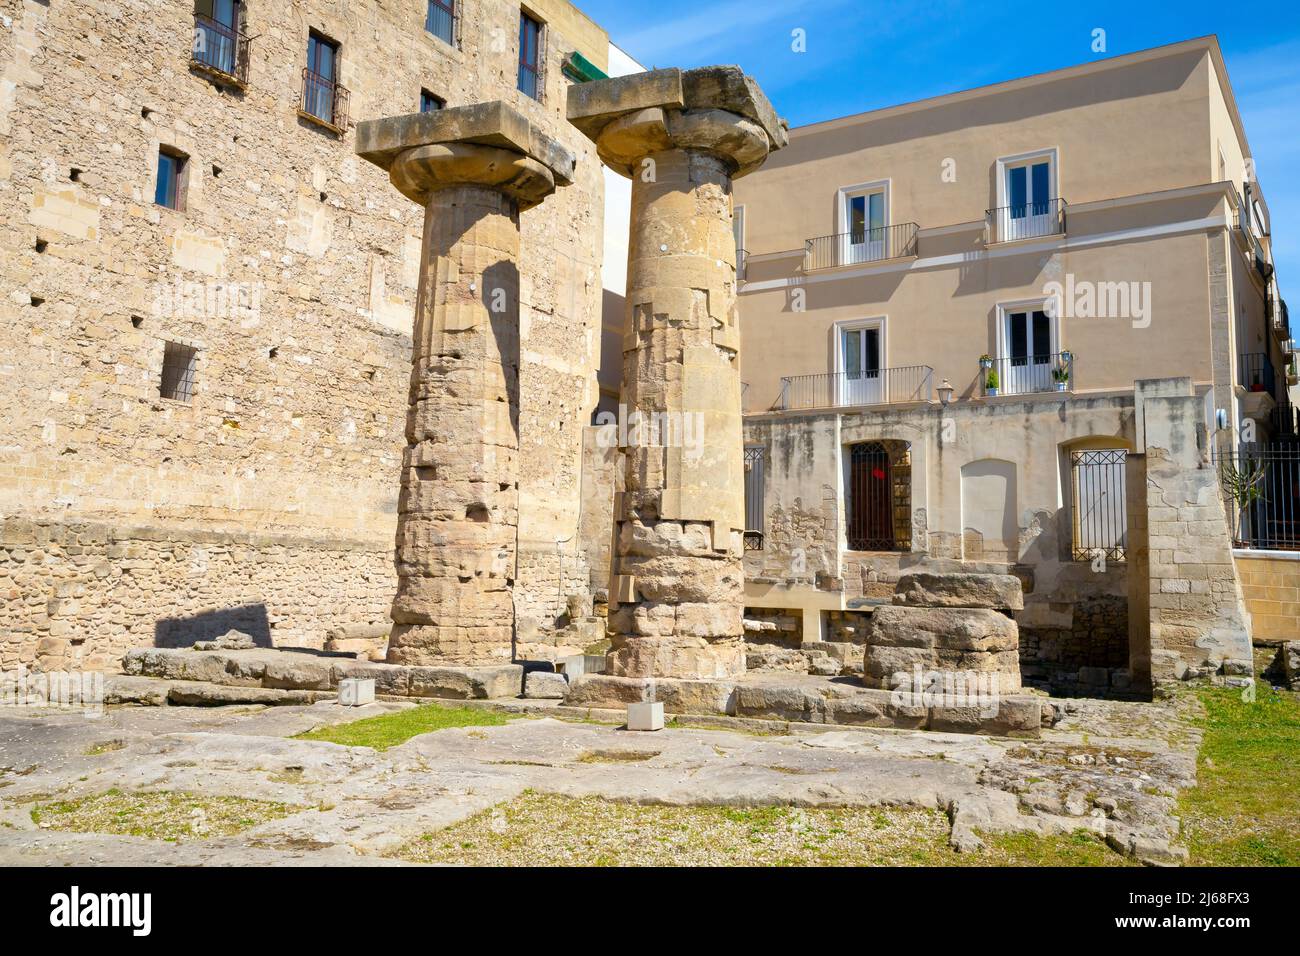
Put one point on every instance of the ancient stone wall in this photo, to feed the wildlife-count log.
(90, 591)
(291, 269)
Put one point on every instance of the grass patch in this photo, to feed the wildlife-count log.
(105, 747)
(1244, 808)
(389, 730)
(549, 830)
(166, 815)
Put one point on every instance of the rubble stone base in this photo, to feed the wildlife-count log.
(806, 699)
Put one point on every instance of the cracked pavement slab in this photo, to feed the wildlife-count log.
(1118, 779)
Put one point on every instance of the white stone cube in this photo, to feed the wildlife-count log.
(647, 716)
(355, 691)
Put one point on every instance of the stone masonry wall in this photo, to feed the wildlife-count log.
(291, 268)
(94, 590)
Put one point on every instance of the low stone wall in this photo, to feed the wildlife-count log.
(88, 592)
(1097, 638)
(1270, 583)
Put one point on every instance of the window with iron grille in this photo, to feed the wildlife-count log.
(440, 20)
(878, 496)
(322, 97)
(1098, 477)
(430, 103)
(179, 364)
(170, 188)
(754, 459)
(530, 56)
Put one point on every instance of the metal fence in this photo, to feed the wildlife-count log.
(324, 100)
(1026, 220)
(1256, 371)
(220, 49)
(884, 386)
(1261, 489)
(1043, 372)
(865, 245)
(1100, 503)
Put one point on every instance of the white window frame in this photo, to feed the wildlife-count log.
(1004, 163)
(1043, 303)
(877, 322)
(845, 193)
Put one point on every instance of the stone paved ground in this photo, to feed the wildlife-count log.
(1112, 768)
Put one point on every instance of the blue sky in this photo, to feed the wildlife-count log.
(864, 55)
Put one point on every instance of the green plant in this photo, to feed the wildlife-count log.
(991, 381)
(1061, 372)
(1243, 485)
(986, 360)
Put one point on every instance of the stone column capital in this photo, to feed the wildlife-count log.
(715, 110)
(486, 144)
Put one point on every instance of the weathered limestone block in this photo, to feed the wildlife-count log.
(467, 683)
(1001, 592)
(545, 685)
(952, 639)
(473, 169)
(682, 137)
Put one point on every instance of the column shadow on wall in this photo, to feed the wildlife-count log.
(251, 619)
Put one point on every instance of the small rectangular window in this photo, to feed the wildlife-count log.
(429, 103)
(179, 363)
(170, 191)
(530, 56)
(440, 20)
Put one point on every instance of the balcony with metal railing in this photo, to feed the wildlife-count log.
(1027, 220)
(877, 244)
(1029, 374)
(324, 102)
(220, 52)
(1256, 375)
(885, 386)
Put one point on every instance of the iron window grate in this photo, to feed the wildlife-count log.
(179, 364)
(1100, 504)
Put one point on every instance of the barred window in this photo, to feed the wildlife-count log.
(754, 497)
(179, 363)
(1098, 477)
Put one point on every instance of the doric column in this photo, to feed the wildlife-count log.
(473, 169)
(682, 137)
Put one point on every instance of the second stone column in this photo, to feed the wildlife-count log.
(682, 137)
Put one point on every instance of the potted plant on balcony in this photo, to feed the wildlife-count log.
(991, 383)
(1292, 374)
(986, 361)
(1061, 375)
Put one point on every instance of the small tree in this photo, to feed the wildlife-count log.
(1244, 485)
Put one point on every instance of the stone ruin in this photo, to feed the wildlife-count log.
(953, 623)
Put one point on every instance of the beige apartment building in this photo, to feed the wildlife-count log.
(205, 325)
(957, 317)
